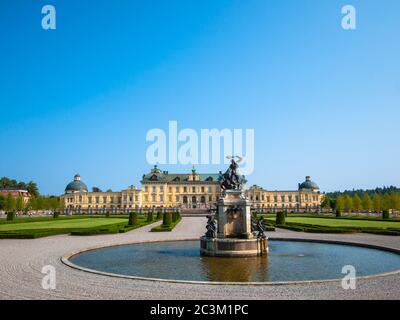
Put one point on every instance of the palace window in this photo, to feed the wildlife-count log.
(161, 189)
(170, 198)
(154, 189)
(161, 198)
(177, 190)
(194, 189)
(177, 198)
(283, 198)
(275, 199)
(146, 189)
(202, 189)
(104, 199)
(210, 198)
(170, 189)
(184, 189)
(90, 199)
(153, 198)
(209, 189)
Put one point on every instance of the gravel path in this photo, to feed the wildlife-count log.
(21, 262)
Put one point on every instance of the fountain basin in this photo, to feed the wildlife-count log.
(286, 262)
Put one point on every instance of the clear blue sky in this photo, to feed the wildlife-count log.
(323, 101)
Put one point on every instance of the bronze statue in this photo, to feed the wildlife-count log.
(261, 227)
(211, 227)
(231, 180)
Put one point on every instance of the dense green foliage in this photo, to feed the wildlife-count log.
(133, 216)
(10, 216)
(150, 216)
(280, 218)
(369, 200)
(169, 224)
(385, 215)
(31, 187)
(167, 219)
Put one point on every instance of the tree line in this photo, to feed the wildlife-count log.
(9, 203)
(31, 187)
(376, 200)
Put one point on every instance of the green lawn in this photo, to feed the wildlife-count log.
(30, 228)
(342, 222)
(62, 224)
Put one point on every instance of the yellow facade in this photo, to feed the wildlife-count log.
(161, 189)
(299, 200)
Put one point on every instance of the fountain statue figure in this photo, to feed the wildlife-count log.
(231, 180)
(233, 232)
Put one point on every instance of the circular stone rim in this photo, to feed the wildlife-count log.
(65, 260)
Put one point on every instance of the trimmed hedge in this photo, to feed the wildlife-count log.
(132, 218)
(149, 216)
(280, 218)
(385, 215)
(167, 219)
(338, 213)
(56, 215)
(166, 228)
(10, 216)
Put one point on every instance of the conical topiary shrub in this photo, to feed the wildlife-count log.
(10, 215)
(385, 214)
(167, 219)
(132, 218)
(280, 218)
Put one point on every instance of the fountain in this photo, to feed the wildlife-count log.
(233, 232)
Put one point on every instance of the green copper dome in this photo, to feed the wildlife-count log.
(76, 186)
(308, 184)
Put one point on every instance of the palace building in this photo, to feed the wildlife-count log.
(161, 189)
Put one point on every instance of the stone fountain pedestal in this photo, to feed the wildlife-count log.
(234, 236)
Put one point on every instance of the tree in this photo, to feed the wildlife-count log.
(326, 203)
(357, 204)
(19, 203)
(2, 202)
(377, 202)
(348, 203)
(339, 203)
(32, 188)
(10, 203)
(366, 202)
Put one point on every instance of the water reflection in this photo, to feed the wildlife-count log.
(286, 261)
(252, 269)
